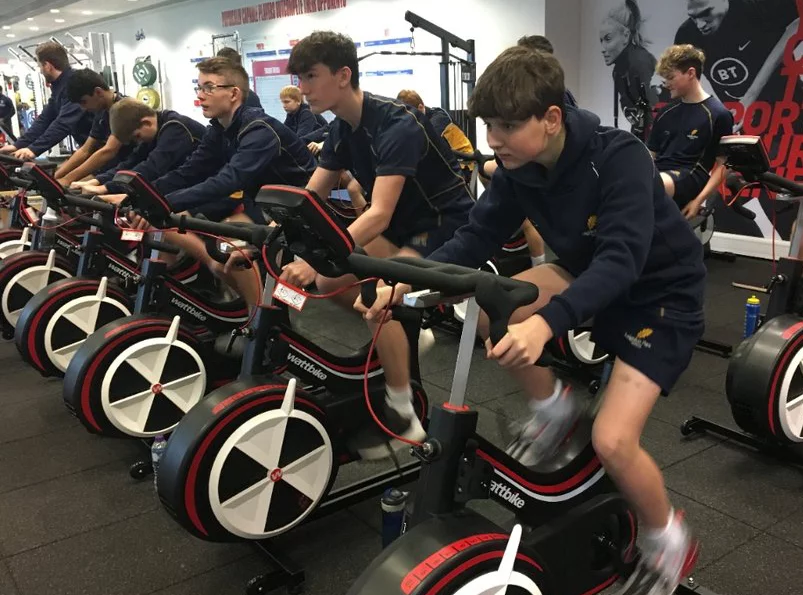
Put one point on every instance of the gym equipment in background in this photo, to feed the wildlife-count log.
(765, 375)
(457, 75)
(145, 74)
(138, 375)
(57, 320)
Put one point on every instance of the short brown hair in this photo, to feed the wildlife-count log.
(52, 52)
(292, 92)
(536, 42)
(518, 84)
(333, 50)
(230, 54)
(126, 116)
(234, 74)
(410, 97)
(681, 57)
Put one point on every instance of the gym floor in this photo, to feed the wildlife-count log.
(73, 522)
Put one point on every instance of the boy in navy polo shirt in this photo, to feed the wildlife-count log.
(685, 133)
(164, 140)
(626, 257)
(101, 150)
(418, 197)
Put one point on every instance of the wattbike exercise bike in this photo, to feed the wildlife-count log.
(17, 236)
(138, 375)
(56, 321)
(764, 377)
(255, 458)
(53, 254)
(437, 555)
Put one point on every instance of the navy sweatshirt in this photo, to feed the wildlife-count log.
(59, 119)
(252, 100)
(255, 150)
(604, 212)
(176, 138)
(304, 123)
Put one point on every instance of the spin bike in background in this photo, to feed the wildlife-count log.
(764, 381)
(138, 375)
(259, 456)
(56, 321)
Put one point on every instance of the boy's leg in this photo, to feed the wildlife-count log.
(669, 183)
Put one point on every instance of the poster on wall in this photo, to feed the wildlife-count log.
(270, 76)
(754, 64)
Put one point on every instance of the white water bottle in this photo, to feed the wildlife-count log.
(49, 222)
(157, 450)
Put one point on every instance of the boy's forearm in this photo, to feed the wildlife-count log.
(93, 164)
(75, 160)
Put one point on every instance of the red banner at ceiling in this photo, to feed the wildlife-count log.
(267, 11)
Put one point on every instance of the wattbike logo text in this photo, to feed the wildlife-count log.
(307, 366)
(506, 493)
(188, 309)
(65, 245)
(121, 272)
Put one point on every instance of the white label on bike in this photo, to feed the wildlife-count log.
(289, 296)
(132, 235)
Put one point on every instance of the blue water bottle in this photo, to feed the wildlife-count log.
(393, 503)
(752, 310)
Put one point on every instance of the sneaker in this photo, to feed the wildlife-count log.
(373, 444)
(662, 566)
(541, 436)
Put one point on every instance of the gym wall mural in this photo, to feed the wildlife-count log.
(754, 65)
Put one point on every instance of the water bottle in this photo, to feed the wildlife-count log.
(49, 222)
(393, 503)
(752, 310)
(157, 450)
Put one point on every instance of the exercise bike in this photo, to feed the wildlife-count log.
(17, 236)
(764, 373)
(438, 554)
(257, 457)
(54, 253)
(56, 321)
(138, 375)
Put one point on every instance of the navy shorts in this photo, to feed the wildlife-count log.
(658, 342)
(425, 243)
(689, 183)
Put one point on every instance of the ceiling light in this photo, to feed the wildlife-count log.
(29, 19)
(86, 12)
(6, 27)
(59, 20)
(10, 35)
(34, 28)
(55, 10)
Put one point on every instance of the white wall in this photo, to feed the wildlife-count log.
(178, 32)
(563, 29)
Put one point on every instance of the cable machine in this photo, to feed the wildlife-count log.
(457, 74)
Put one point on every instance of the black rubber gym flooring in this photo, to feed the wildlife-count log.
(73, 522)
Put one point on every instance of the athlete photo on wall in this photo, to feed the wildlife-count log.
(753, 65)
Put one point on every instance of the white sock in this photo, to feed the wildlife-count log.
(536, 260)
(541, 404)
(401, 399)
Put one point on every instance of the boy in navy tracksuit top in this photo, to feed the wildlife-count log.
(243, 149)
(308, 126)
(164, 140)
(685, 134)
(61, 117)
(418, 196)
(626, 257)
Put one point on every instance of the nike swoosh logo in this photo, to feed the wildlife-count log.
(741, 47)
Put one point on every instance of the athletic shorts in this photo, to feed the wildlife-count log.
(425, 243)
(226, 207)
(688, 184)
(658, 342)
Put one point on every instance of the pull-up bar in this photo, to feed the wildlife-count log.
(421, 23)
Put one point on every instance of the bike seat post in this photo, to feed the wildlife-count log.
(463, 365)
